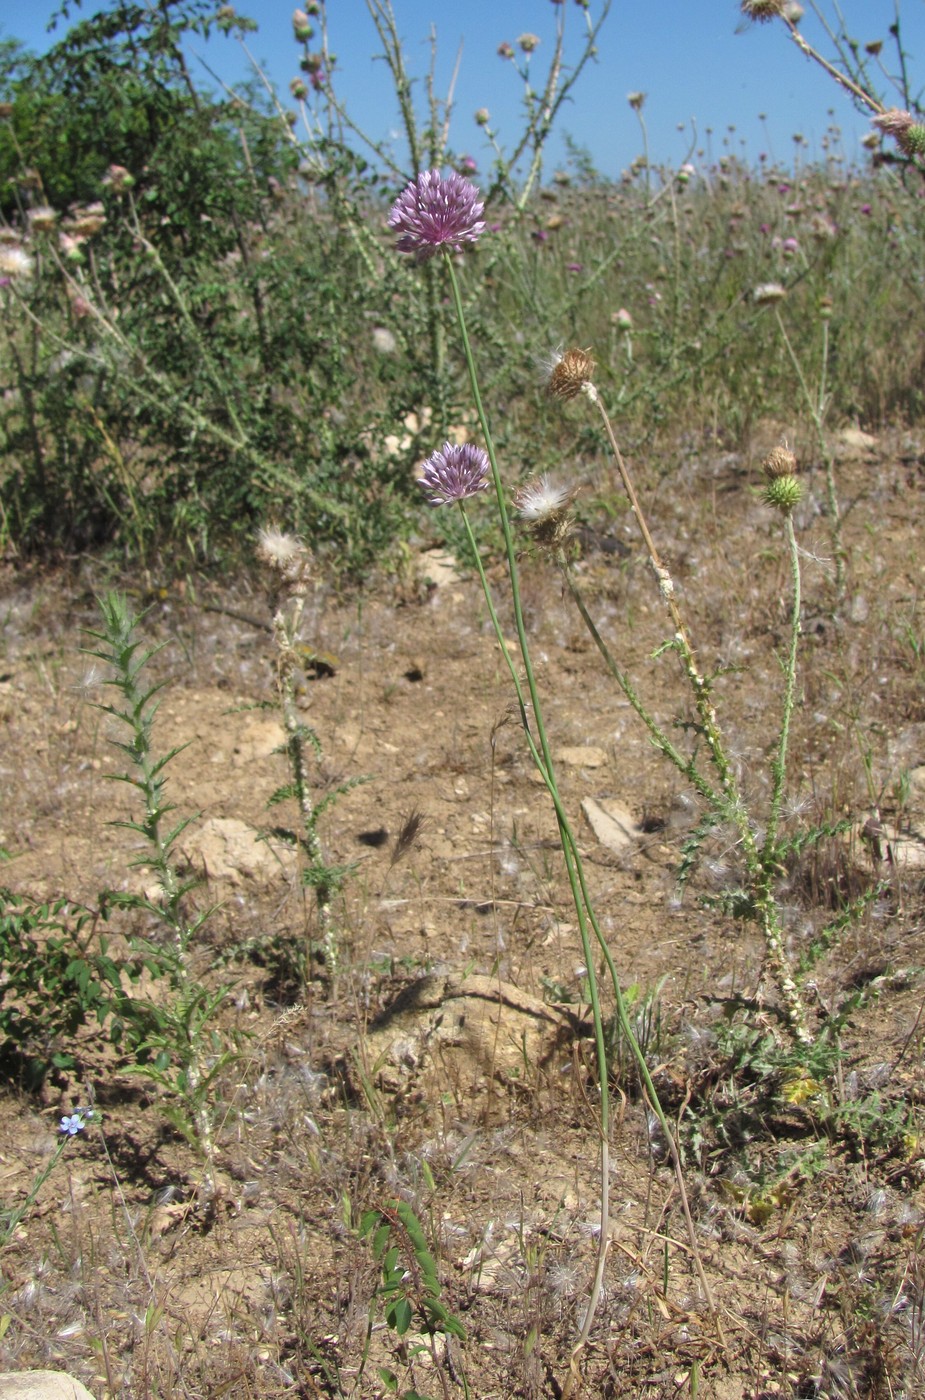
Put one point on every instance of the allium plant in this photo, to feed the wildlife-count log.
(452, 476)
(435, 213)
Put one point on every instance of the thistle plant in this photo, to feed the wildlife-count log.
(441, 216)
(180, 1050)
(852, 72)
(818, 400)
(571, 376)
(289, 561)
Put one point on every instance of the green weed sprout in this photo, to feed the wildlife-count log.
(410, 1287)
(437, 217)
(180, 1051)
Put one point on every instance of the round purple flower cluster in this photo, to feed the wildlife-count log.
(454, 473)
(433, 213)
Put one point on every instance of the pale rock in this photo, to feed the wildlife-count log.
(851, 444)
(611, 822)
(582, 756)
(439, 568)
(41, 1385)
(228, 850)
(259, 738)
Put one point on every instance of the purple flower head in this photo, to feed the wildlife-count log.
(454, 473)
(433, 213)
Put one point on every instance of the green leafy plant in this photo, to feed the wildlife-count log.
(409, 1293)
(56, 974)
(180, 1051)
(290, 562)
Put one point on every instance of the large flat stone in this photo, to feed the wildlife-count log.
(41, 1385)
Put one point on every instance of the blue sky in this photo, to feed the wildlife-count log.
(686, 55)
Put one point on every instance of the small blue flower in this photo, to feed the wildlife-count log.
(72, 1124)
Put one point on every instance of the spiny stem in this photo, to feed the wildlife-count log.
(699, 684)
(779, 765)
(818, 408)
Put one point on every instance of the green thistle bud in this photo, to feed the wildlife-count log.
(782, 493)
(914, 142)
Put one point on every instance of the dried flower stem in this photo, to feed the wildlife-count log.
(758, 862)
(841, 78)
(285, 631)
(699, 684)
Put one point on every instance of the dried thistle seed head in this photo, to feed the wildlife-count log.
(15, 262)
(569, 372)
(42, 219)
(908, 134)
(545, 510)
(761, 11)
(766, 293)
(780, 462)
(279, 550)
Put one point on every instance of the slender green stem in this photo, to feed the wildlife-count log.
(546, 768)
(779, 764)
(580, 900)
(817, 404)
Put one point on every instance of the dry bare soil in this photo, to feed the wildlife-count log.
(445, 1059)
